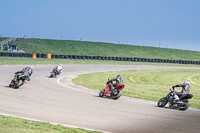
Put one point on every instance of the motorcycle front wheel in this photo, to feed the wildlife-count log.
(20, 82)
(11, 84)
(162, 102)
(51, 75)
(116, 94)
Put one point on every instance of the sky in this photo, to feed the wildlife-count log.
(157, 23)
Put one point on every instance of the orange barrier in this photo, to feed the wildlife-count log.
(34, 56)
(48, 56)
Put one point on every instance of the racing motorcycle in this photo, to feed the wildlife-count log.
(181, 103)
(18, 80)
(53, 73)
(114, 93)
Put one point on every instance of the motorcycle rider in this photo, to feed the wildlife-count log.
(29, 69)
(25, 71)
(58, 68)
(185, 89)
(118, 80)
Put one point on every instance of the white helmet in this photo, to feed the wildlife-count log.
(31, 67)
(187, 82)
(60, 65)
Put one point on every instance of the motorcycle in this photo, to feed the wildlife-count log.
(53, 73)
(18, 80)
(181, 103)
(114, 93)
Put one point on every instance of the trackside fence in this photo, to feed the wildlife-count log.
(80, 57)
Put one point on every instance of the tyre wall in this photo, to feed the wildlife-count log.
(80, 57)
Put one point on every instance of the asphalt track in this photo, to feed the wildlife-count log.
(45, 99)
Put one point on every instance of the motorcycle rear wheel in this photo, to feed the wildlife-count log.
(117, 94)
(183, 107)
(162, 102)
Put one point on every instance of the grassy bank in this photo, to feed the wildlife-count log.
(17, 125)
(3, 38)
(70, 47)
(146, 84)
(43, 61)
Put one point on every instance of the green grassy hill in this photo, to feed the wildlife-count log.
(3, 38)
(70, 47)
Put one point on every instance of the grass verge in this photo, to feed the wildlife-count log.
(44, 61)
(146, 84)
(17, 125)
(72, 47)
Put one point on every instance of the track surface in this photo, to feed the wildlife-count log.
(45, 99)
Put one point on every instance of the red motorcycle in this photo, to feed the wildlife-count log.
(114, 93)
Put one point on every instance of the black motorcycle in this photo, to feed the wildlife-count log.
(53, 74)
(18, 80)
(182, 103)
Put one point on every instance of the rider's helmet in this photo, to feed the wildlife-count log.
(60, 65)
(187, 82)
(31, 67)
(118, 76)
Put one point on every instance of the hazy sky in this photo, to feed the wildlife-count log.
(168, 23)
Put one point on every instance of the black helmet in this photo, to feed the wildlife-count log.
(118, 75)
